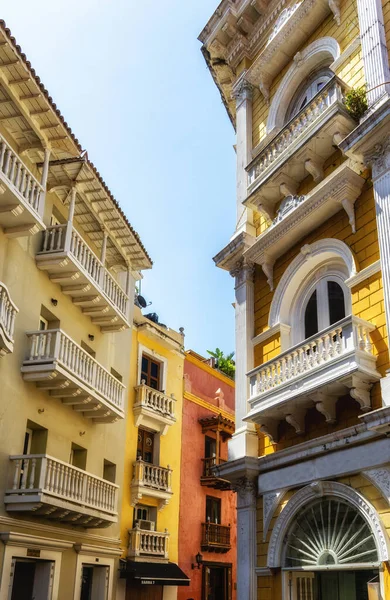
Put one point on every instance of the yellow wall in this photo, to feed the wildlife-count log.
(170, 444)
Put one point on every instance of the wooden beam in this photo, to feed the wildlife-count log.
(36, 113)
(9, 63)
(20, 80)
(44, 127)
(29, 96)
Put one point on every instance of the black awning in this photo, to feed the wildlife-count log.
(146, 573)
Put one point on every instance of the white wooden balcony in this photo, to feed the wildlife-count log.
(45, 487)
(8, 312)
(150, 545)
(22, 197)
(153, 409)
(323, 368)
(300, 149)
(71, 263)
(66, 371)
(151, 481)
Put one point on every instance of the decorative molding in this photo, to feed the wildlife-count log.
(243, 272)
(11, 538)
(380, 478)
(311, 492)
(263, 572)
(364, 274)
(266, 335)
(344, 56)
(303, 65)
(91, 550)
(246, 489)
(242, 90)
(270, 503)
(378, 158)
(316, 253)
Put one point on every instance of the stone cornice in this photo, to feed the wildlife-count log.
(228, 257)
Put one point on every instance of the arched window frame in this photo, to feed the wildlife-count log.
(308, 89)
(318, 282)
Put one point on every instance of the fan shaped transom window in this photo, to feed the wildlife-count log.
(307, 91)
(329, 532)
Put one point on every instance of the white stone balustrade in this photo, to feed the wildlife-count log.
(65, 239)
(151, 544)
(45, 485)
(153, 409)
(295, 129)
(8, 312)
(152, 476)
(80, 377)
(349, 334)
(20, 178)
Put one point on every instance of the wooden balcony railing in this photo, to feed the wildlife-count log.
(40, 481)
(215, 538)
(152, 544)
(210, 463)
(8, 312)
(65, 239)
(53, 350)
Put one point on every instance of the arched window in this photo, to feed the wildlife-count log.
(325, 306)
(330, 532)
(307, 91)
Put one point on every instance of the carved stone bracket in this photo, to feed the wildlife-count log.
(349, 207)
(361, 393)
(381, 479)
(334, 6)
(315, 168)
(326, 405)
(268, 269)
(269, 427)
(270, 503)
(297, 420)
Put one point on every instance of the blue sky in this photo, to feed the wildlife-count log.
(131, 81)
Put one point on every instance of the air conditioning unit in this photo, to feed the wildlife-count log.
(146, 525)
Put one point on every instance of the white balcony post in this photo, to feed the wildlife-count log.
(246, 538)
(104, 248)
(42, 473)
(130, 292)
(69, 227)
(243, 92)
(244, 441)
(45, 173)
(375, 54)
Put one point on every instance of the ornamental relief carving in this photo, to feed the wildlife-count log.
(243, 272)
(379, 158)
(246, 491)
(380, 478)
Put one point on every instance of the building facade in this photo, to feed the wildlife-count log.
(68, 263)
(310, 457)
(152, 462)
(207, 531)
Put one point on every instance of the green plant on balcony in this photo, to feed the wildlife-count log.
(356, 102)
(223, 363)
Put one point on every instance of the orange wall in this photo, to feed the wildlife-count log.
(192, 494)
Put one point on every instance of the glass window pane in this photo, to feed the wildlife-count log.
(336, 302)
(154, 369)
(311, 316)
(144, 364)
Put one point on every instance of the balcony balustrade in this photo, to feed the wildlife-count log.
(299, 149)
(210, 477)
(70, 262)
(153, 409)
(21, 195)
(44, 486)
(152, 481)
(8, 312)
(148, 544)
(215, 538)
(60, 366)
(337, 361)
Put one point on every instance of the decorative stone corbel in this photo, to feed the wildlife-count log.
(380, 477)
(270, 503)
(338, 138)
(268, 269)
(306, 251)
(326, 405)
(349, 207)
(334, 6)
(245, 24)
(229, 29)
(297, 420)
(288, 187)
(260, 6)
(269, 427)
(315, 169)
(361, 393)
(264, 86)
(266, 209)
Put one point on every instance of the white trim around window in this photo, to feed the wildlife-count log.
(164, 365)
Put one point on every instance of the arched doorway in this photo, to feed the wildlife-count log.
(330, 544)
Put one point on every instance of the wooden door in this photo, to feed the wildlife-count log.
(144, 592)
(145, 445)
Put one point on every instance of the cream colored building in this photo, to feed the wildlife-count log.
(68, 262)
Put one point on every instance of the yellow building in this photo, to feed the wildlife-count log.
(151, 484)
(68, 264)
(310, 457)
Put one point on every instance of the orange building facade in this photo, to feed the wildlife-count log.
(207, 529)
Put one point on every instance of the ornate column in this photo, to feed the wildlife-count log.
(379, 159)
(246, 538)
(375, 55)
(244, 441)
(242, 92)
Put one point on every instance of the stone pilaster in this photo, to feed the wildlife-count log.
(246, 538)
(242, 92)
(379, 159)
(244, 441)
(375, 55)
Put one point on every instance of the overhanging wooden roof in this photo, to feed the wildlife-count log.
(219, 423)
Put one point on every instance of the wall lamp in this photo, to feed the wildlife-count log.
(199, 561)
(54, 301)
(91, 337)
